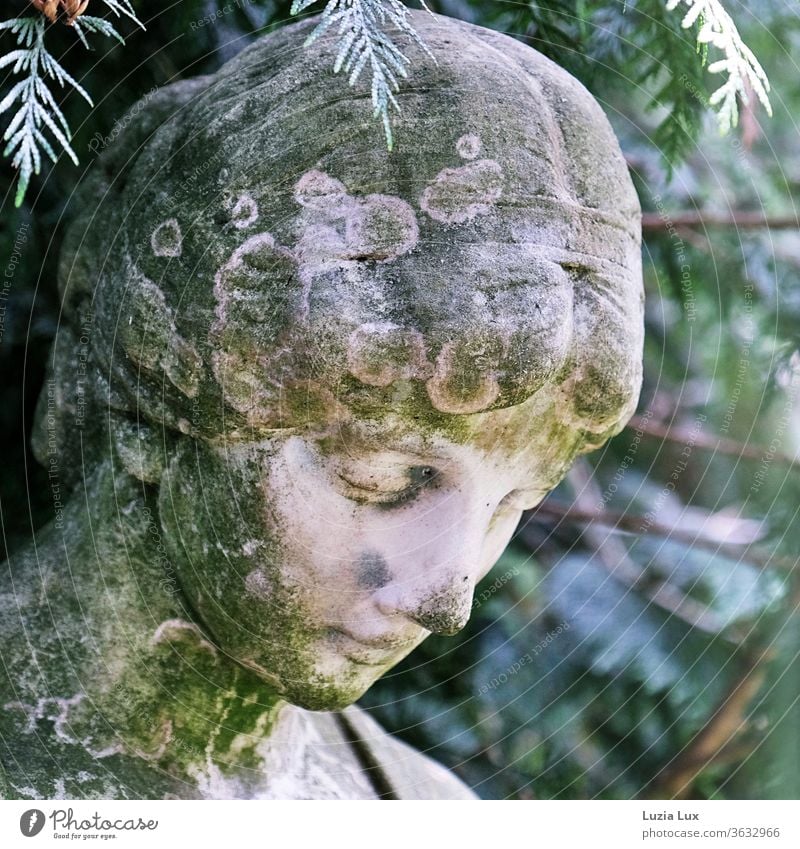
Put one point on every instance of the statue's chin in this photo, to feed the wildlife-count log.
(320, 687)
(325, 698)
(322, 677)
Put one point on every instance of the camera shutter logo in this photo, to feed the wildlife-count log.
(31, 822)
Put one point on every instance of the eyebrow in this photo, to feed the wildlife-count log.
(344, 436)
(424, 457)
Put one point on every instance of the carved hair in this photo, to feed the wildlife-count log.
(253, 258)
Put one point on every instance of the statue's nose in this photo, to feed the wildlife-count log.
(431, 581)
(444, 611)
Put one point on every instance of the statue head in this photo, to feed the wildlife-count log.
(347, 371)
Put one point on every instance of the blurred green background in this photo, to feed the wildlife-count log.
(639, 637)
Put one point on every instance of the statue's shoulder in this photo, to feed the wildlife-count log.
(396, 769)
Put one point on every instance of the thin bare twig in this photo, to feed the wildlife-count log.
(723, 445)
(614, 557)
(720, 733)
(654, 222)
(632, 523)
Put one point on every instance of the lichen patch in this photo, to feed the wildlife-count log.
(468, 146)
(259, 584)
(338, 225)
(457, 195)
(181, 630)
(317, 190)
(167, 239)
(244, 212)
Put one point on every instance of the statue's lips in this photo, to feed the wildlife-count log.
(386, 644)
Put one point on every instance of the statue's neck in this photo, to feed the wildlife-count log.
(118, 648)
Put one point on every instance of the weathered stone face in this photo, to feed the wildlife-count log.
(352, 369)
(320, 560)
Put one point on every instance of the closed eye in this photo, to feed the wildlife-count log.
(385, 487)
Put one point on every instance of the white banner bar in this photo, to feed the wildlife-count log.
(338, 825)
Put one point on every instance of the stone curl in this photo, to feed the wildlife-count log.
(254, 258)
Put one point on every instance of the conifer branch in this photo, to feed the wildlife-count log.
(38, 127)
(744, 72)
(364, 42)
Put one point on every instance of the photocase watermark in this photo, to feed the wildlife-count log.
(100, 142)
(679, 246)
(734, 140)
(65, 825)
(168, 582)
(190, 181)
(221, 12)
(678, 469)
(524, 660)
(497, 584)
(626, 462)
(53, 474)
(32, 822)
(792, 386)
(87, 320)
(743, 366)
(9, 272)
(695, 91)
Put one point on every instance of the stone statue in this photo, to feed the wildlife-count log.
(303, 389)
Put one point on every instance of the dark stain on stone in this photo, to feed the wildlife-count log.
(373, 571)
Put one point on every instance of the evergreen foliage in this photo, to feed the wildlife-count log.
(645, 42)
(38, 112)
(361, 26)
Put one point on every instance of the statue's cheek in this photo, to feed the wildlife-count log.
(301, 502)
(209, 516)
